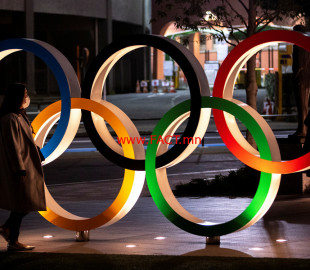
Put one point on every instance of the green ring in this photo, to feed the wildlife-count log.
(264, 184)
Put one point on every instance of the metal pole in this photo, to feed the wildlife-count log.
(147, 51)
(96, 37)
(280, 83)
(109, 31)
(143, 32)
(109, 17)
(30, 65)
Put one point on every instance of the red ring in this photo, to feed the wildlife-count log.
(221, 90)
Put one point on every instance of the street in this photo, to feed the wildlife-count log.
(150, 105)
(82, 163)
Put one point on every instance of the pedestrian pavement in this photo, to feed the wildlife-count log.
(284, 232)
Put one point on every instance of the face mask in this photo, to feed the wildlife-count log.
(27, 103)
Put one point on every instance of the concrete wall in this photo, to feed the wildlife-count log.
(129, 11)
(14, 5)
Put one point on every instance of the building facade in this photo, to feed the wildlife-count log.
(77, 28)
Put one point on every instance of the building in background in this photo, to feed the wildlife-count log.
(79, 29)
(273, 64)
(211, 53)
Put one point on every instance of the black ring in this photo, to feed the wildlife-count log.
(198, 86)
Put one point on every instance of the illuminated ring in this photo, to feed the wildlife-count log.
(133, 181)
(224, 86)
(95, 78)
(67, 82)
(165, 200)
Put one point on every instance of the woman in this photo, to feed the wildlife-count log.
(21, 174)
(301, 73)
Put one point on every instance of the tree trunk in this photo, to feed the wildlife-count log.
(251, 91)
(251, 88)
(251, 85)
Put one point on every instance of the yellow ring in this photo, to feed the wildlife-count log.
(132, 183)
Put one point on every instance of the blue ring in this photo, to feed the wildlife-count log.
(50, 60)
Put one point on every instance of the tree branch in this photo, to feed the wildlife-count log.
(221, 32)
(244, 6)
(232, 28)
(215, 24)
(267, 17)
(237, 13)
(262, 28)
(267, 22)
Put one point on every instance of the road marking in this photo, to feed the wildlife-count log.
(173, 100)
(204, 172)
(86, 141)
(80, 150)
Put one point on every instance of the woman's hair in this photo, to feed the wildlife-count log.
(13, 99)
(300, 28)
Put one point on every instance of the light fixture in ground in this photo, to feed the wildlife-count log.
(131, 246)
(256, 249)
(48, 236)
(281, 240)
(160, 238)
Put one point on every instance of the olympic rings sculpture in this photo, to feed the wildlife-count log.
(158, 157)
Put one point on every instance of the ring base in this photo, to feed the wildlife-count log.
(213, 240)
(82, 236)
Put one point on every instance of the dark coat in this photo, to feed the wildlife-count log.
(301, 67)
(18, 154)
